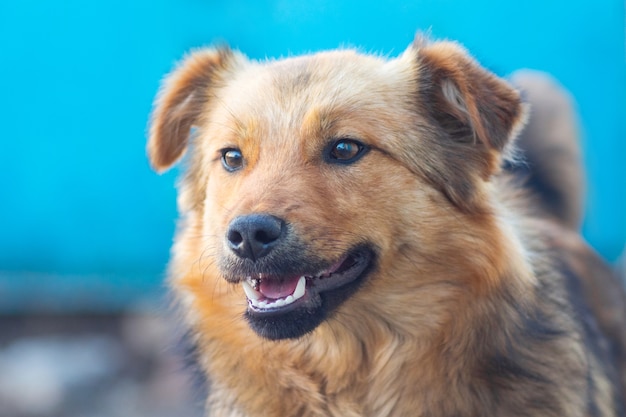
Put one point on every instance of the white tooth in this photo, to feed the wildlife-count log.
(300, 288)
(251, 293)
(278, 303)
(289, 300)
(262, 304)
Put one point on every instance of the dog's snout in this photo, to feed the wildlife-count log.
(254, 236)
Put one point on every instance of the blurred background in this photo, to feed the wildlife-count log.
(86, 226)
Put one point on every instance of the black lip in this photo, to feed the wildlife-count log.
(323, 295)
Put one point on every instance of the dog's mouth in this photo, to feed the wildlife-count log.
(289, 306)
(267, 293)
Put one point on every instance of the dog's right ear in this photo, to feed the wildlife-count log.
(472, 116)
(182, 98)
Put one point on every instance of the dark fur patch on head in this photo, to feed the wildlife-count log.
(292, 82)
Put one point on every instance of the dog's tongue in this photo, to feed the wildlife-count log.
(278, 288)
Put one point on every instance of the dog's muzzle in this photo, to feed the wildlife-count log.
(289, 287)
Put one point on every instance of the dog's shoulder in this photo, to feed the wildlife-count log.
(597, 297)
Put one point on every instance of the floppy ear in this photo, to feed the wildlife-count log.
(472, 115)
(182, 98)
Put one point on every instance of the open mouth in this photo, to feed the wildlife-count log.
(307, 297)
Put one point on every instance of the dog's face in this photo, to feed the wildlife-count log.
(322, 182)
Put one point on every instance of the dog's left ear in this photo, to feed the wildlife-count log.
(185, 93)
(471, 113)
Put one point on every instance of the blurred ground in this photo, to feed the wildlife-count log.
(94, 366)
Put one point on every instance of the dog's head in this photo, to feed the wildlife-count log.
(334, 178)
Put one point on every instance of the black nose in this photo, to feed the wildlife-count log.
(255, 235)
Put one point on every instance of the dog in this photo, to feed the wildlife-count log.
(359, 236)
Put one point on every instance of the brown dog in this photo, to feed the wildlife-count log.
(357, 242)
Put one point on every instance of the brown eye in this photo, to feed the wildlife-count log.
(232, 159)
(346, 151)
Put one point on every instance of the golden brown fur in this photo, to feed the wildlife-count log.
(476, 303)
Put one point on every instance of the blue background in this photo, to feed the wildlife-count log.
(86, 225)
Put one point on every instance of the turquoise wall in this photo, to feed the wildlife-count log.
(85, 224)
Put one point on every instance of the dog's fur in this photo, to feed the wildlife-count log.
(479, 298)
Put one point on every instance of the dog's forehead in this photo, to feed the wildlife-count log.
(322, 78)
(334, 71)
(284, 95)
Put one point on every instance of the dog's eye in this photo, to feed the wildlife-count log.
(346, 151)
(232, 159)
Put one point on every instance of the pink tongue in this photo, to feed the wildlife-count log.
(278, 288)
